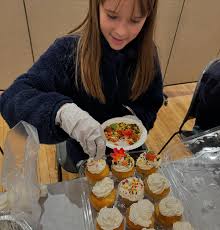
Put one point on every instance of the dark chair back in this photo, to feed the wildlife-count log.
(213, 68)
(192, 111)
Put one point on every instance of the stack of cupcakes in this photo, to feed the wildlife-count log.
(140, 213)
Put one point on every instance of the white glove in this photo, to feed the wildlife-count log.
(83, 128)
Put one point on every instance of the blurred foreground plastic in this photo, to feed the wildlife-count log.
(19, 176)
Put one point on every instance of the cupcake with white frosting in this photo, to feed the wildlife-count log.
(169, 211)
(140, 215)
(103, 194)
(182, 225)
(109, 219)
(156, 186)
(96, 170)
(148, 163)
(131, 190)
(122, 164)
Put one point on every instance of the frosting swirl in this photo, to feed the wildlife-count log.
(171, 206)
(123, 164)
(103, 188)
(141, 213)
(157, 183)
(131, 188)
(95, 166)
(182, 226)
(109, 218)
(146, 162)
(147, 229)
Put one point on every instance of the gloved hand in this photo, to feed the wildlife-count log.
(83, 128)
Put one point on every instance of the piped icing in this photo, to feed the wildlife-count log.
(184, 225)
(157, 183)
(171, 206)
(103, 188)
(148, 160)
(147, 229)
(109, 218)
(141, 213)
(131, 188)
(122, 162)
(95, 166)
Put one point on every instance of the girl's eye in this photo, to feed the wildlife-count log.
(112, 17)
(134, 21)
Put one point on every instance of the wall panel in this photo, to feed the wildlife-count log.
(15, 55)
(167, 21)
(197, 41)
(49, 19)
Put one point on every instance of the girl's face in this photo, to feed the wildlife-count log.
(120, 22)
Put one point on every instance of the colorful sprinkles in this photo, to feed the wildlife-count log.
(132, 185)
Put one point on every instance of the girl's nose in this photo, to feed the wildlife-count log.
(121, 30)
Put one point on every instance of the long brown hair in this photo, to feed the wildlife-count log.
(89, 51)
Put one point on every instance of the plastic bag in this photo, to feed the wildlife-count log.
(19, 176)
(195, 177)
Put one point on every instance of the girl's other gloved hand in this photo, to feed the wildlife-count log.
(83, 128)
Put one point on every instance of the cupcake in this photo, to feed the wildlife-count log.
(103, 194)
(96, 170)
(169, 211)
(109, 218)
(122, 164)
(131, 190)
(184, 225)
(156, 186)
(148, 163)
(140, 215)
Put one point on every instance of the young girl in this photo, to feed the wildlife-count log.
(108, 67)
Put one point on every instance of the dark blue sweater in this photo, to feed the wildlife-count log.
(36, 96)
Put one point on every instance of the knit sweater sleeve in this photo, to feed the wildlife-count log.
(36, 96)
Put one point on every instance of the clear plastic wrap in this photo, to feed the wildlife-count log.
(195, 179)
(19, 175)
(67, 206)
(192, 167)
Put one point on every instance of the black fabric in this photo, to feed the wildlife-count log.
(208, 105)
